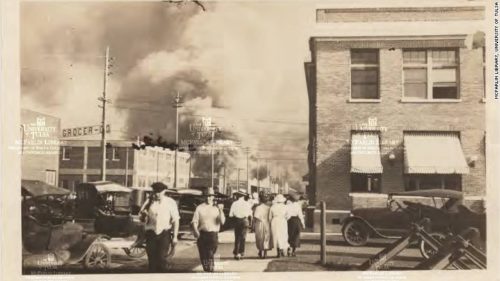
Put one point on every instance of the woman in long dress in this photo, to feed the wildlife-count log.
(295, 223)
(262, 227)
(278, 215)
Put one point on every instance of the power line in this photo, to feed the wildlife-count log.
(256, 120)
(139, 109)
(220, 117)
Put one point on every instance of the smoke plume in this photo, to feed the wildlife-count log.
(234, 64)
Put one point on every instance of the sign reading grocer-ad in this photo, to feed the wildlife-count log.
(84, 131)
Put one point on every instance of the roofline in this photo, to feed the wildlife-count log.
(408, 8)
(389, 37)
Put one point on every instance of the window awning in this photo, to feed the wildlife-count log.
(434, 153)
(365, 153)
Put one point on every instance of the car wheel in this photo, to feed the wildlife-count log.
(97, 257)
(135, 252)
(356, 233)
(426, 250)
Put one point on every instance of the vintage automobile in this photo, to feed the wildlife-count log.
(139, 195)
(189, 199)
(50, 238)
(447, 215)
(105, 206)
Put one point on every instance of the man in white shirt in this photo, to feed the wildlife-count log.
(206, 223)
(241, 211)
(161, 226)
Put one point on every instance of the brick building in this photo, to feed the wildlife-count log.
(80, 161)
(40, 146)
(396, 98)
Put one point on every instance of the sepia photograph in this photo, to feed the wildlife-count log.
(224, 138)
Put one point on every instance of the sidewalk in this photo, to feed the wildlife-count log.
(225, 237)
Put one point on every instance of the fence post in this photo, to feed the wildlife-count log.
(323, 232)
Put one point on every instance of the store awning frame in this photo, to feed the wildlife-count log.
(365, 153)
(433, 153)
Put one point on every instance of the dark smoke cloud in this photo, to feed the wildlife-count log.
(159, 49)
(71, 33)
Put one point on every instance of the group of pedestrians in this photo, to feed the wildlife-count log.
(276, 224)
(160, 216)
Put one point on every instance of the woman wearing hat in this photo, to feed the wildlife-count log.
(206, 223)
(295, 223)
(262, 227)
(278, 215)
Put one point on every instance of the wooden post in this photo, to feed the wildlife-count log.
(323, 232)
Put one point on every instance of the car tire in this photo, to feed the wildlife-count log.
(98, 257)
(425, 250)
(356, 233)
(135, 252)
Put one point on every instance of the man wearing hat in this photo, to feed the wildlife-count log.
(161, 218)
(206, 223)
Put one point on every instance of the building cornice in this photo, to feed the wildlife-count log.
(382, 42)
(399, 14)
(441, 9)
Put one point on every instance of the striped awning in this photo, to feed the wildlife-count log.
(365, 153)
(434, 153)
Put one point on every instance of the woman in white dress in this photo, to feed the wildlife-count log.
(278, 215)
(262, 227)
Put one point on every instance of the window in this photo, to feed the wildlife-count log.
(66, 153)
(364, 74)
(112, 154)
(365, 183)
(440, 181)
(50, 177)
(430, 74)
(115, 155)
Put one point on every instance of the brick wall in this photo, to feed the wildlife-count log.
(336, 116)
(94, 160)
(75, 155)
(74, 169)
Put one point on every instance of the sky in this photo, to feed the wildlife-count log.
(240, 64)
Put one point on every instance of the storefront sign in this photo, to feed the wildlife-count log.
(85, 131)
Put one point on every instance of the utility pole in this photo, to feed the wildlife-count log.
(258, 174)
(189, 173)
(224, 179)
(212, 156)
(238, 180)
(103, 99)
(268, 173)
(23, 133)
(177, 104)
(247, 150)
